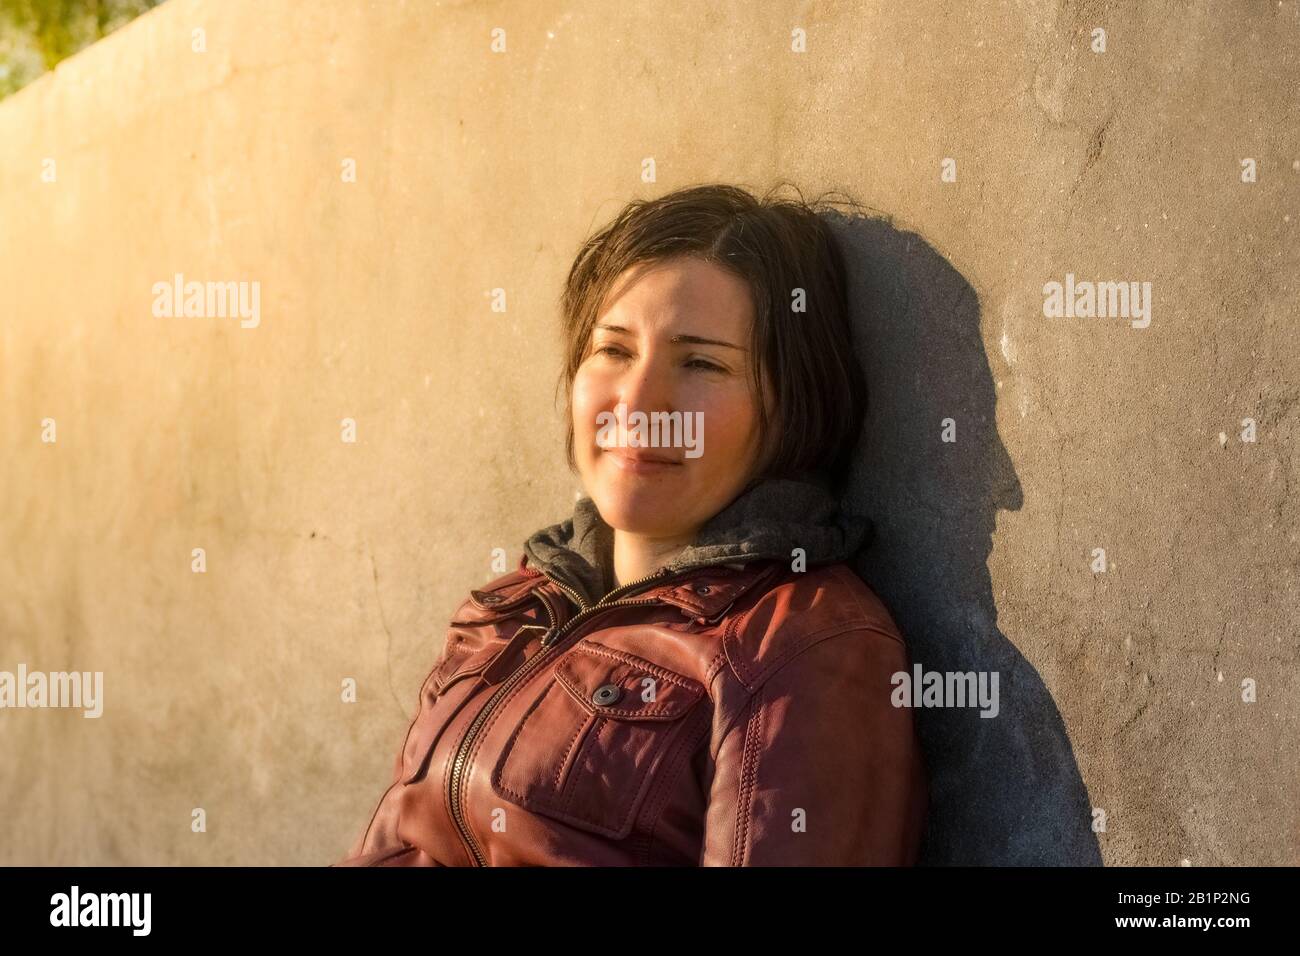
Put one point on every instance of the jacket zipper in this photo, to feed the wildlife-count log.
(548, 643)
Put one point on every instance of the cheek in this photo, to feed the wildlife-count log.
(586, 402)
(730, 426)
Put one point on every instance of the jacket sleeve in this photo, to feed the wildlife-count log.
(819, 768)
(380, 833)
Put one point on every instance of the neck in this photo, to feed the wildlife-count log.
(637, 556)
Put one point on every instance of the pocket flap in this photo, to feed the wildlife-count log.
(620, 685)
(485, 607)
(464, 657)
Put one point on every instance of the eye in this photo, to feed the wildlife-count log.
(704, 365)
(611, 349)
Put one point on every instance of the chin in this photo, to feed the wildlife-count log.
(654, 512)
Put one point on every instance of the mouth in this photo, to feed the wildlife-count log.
(640, 463)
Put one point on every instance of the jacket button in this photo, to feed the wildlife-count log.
(702, 589)
(606, 695)
(490, 599)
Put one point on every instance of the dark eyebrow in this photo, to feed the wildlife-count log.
(691, 339)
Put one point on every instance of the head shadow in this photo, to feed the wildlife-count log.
(1004, 790)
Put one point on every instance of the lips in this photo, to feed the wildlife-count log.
(639, 462)
(642, 456)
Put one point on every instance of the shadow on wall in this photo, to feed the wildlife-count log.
(1004, 790)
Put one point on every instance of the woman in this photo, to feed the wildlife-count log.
(687, 671)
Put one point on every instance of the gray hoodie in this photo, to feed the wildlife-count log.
(768, 521)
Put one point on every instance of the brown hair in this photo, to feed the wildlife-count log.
(777, 247)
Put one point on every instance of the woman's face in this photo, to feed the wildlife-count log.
(673, 338)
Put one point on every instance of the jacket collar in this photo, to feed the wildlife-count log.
(766, 522)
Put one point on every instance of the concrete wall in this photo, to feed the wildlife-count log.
(1121, 691)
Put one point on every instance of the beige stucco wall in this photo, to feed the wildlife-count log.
(478, 171)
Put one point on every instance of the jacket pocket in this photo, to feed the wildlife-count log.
(587, 750)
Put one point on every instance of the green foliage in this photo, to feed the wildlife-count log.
(36, 35)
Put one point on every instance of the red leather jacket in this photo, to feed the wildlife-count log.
(727, 710)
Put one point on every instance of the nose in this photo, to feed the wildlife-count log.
(646, 386)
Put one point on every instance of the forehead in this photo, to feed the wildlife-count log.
(682, 295)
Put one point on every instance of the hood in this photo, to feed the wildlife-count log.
(768, 521)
